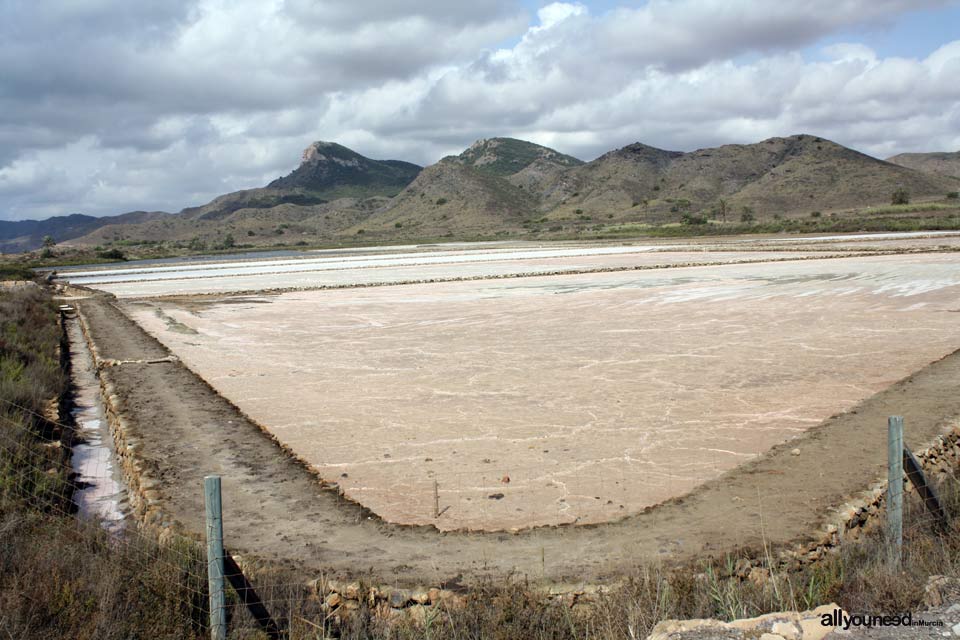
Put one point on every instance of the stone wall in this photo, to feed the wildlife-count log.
(855, 518)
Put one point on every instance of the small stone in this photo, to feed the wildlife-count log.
(742, 568)
(333, 600)
(771, 636)
(398, 598)
(352, 591)
(795, 452)
(420, 596)
(956, 629)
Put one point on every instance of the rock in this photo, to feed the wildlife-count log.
(940, 590)
(786, 630)
(434, 594)
(810, 624)
(398, 598)
(742, 568)
(420, 596)
(333, 600)
(668, 629)
(795, 452)
(352, 591)
(771, 636)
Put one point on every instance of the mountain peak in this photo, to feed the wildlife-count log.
(334, 171)
(507, 156)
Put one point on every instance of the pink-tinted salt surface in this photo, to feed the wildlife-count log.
(578, 398)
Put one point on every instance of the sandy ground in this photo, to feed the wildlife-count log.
(275, 509)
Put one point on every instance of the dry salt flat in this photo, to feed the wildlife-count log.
(576, 398)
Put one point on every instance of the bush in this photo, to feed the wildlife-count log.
(900, 196)
(953, 195)
(693, 219)
(441, 201)
(112, 254)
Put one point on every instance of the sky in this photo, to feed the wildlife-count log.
(108, 106)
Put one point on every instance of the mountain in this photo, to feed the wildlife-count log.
(508, 187)
(330, 171)
(793, 175)
(944, 163)
(26, 235)
(332, 189)
(507, 156)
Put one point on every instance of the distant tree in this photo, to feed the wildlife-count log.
(953, 195)
(228, 242)
(49, 242)
(900, 196)
(722, 209)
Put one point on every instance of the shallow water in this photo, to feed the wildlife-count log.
(101, 495)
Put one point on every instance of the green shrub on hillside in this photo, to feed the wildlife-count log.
(900, 196)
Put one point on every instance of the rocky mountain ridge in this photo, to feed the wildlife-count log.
(506, 187)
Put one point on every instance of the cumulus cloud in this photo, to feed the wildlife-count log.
(108, 106)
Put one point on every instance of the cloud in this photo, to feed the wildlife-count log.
(107, 105)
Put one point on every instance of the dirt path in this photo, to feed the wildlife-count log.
(275, 509)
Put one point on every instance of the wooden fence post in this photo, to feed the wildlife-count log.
(894, 490)
(218, 611)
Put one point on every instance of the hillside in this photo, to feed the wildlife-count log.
(944, 163)
(26, 235)
(330, 171)
(453, 198)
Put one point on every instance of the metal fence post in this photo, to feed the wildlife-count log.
(894, 489)
(218, 611)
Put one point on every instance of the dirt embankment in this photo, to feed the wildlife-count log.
(276, 509)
